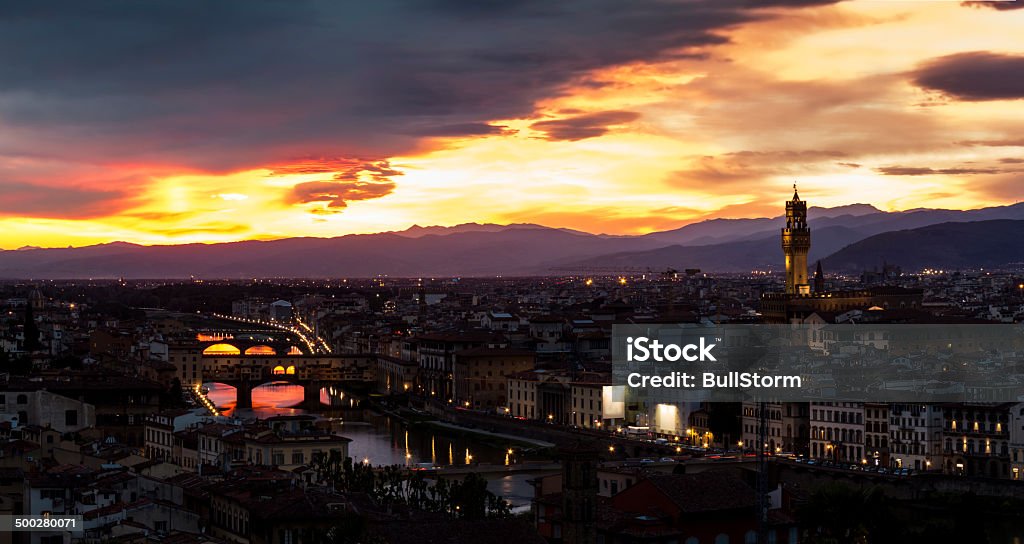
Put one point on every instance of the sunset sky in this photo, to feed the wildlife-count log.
(170, 121)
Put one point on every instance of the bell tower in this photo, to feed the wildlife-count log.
(796, 242)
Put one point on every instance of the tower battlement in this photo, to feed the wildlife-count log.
(796, 242)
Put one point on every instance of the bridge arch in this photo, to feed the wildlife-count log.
(222, 349)
(260, 349)
(311, 393)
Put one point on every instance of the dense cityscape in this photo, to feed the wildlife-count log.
(446, 409)
(512, 272)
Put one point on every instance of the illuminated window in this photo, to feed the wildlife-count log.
(294, 350)
(291, 370)
(279, 370)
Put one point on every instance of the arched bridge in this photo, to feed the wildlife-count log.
(249, 343)
(312, 372)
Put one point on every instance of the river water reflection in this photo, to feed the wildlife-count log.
(381, 440)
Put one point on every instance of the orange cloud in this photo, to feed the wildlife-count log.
(337, 194)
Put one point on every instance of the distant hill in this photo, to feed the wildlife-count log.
(861, 220)
(737, 256)
(975, 244)
(725, 230)
(518, 250)
(417, 231)
(848, 236)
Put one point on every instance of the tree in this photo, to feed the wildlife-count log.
(394, 485)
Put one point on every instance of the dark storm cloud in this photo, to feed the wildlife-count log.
(978, 75)
(1003, 5)
(590, 125)
(219, 86)
(462, 129)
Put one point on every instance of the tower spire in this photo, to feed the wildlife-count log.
(796, 241)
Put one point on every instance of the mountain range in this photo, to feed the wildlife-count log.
(848, 238)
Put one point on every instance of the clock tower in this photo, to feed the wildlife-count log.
(796, 242)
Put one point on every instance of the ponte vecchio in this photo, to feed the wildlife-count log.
(248, 359)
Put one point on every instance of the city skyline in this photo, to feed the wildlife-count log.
(265, 124)
(462, 271)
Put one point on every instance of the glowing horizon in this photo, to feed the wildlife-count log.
(717, 118)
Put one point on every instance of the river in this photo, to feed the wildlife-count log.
(381, 440)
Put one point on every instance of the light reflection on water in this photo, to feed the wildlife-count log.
(381, 440)
(267, 400)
